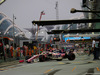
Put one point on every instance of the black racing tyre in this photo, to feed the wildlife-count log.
(26, 58)
(41, 58)
(71, 56)
(59, 59)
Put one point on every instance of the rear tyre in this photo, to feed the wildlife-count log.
(71, 56)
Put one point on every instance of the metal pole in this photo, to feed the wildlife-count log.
(38, 26)
(57, 12)
(38, 31)
(13, 32)
(42, 13)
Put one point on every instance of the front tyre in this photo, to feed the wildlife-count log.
(26, 58)
(59, 59)
(41, 58)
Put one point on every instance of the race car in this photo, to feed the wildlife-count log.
(56, 56)
(51, 55)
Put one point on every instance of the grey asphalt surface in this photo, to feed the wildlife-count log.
(82, 65)
(9, 63)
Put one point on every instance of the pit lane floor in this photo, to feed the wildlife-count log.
(82, 65)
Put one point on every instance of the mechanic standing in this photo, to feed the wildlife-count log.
(95, 49)
(18, 52)
(99, 47)
(11, 51)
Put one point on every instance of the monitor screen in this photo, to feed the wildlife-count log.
(76, 38)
